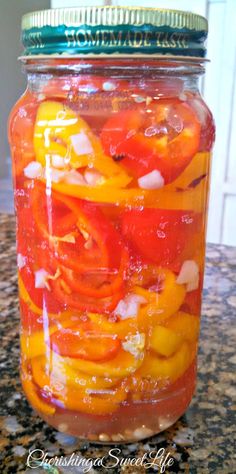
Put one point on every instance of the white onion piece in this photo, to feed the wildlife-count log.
(189, 275)
(129, 307)
(41, 277)
(193, 285)
(81, 144)
(55, 175)
(74, 177)
(21, 261)
(93, 177)
(135, 344)
(58, 161)
(152, 180)
(33, 170)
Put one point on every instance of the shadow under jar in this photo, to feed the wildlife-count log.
(111, 146)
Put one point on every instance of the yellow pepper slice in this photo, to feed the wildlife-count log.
(120, 328)
(164, 341)
(51, 374)
(32, 395)
(191, 199)
(99, 400)
(160, 305)
(60, 131)
(185, 325)
(122, 365)
(197, 168)
(35, 344)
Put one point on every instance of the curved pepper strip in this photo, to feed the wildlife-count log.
(121, 366)
(82, 302)
(190, 199)
(185, 325)
(197, 168)
(160, 305)
(121, 328)
(170, 368)
(59, 374)
(96, 404)
(166, 198)
(95, 400)
(35, 344)
(31, 393)
(76, 281)
(90, 220)
(23, 293)
(57, 128)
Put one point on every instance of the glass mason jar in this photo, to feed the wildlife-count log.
(111, 146)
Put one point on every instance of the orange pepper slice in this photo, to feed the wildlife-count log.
(185, 325)
(103, 403)
(32, 395)
(170, 368)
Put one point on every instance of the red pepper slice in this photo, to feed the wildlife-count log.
(85, 341)
(161, 236)
(97, 245)
(98, 283)
(92, 266)
(162, 137)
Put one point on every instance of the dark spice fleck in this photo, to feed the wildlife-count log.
(118, 157)
(196, 181)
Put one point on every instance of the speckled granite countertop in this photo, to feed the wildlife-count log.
(202, 441)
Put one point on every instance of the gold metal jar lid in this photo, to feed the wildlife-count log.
(114, 30)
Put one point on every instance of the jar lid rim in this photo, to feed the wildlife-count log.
(114, 30)
(71, 16)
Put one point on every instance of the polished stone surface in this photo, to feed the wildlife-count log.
(202, 441)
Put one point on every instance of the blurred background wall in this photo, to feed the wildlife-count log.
(12, 81)
(218, 88)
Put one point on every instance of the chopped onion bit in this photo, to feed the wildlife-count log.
(152, 180)
(33, 170)
(55, 175)
(42, 277)
(21, 261)
(135, 345)
(81, 143)
(189, 275)
(74, 177)
(93, 177)
(129, 306)
(58, 161)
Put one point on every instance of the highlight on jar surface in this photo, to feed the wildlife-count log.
(111, 205)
